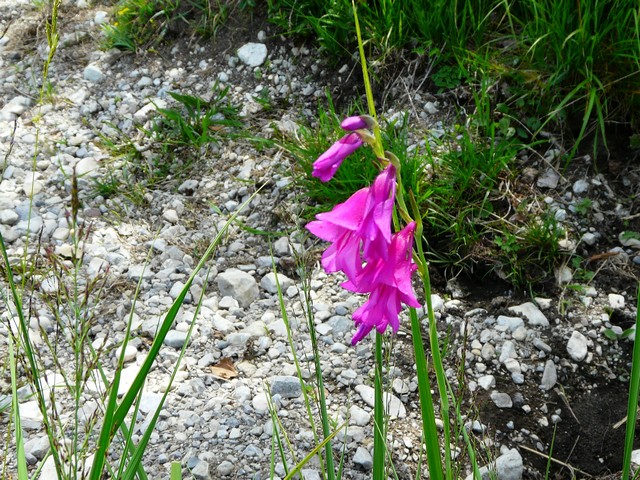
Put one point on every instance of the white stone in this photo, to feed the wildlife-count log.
(87, 166)
(564, 275)
(512, 323)
(393, 405)
(577, 346)
(487, 381)
(260, 403)
(549, 376)
(629, 239)
(363, 458)
(268, 282)
(101, 17)
(130, 352)
(239, 285)
(253, 54)
(9, 217)
(93, 74)
(549, 179)
(171, 216)
(359, 416)
(501, 400)
(437, 303)
(616, 301)
(580, 186)
(508, 351)
(532, 313)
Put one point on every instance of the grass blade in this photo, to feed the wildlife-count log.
(632, 406)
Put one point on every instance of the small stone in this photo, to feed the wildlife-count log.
(532, 313)
(239, 285)
(363, 459)
(101, 17)
(564, 275)
(171, 216)
(629, 239)
(616, 301)
(508, 351)
(260, 403)
(37, 447)
(487, 381)
(540, 345)
(130, 353)
(253, 54)
(93, 74)
(501, 400)
(200, 470)
(437, 303)
(577, 346)
(175, 338)
(549, 179)
(358, 416)
(512, 323)
(580, 186)
(286, 386)
(394, 406)
(225, 468)
(281, 247)
(549, 376)
(268, 282)
(9, 217)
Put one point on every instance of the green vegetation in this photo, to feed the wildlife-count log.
(178, 138)
(460, 182)
(569, 64)
(145, 23)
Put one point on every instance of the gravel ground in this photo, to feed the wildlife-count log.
(529, 363)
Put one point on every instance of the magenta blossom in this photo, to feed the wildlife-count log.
(364, 220)
(389, 282)
(354, 123)
(340, 226)
(327, 164)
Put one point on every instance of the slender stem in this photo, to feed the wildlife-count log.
(429, 429)
(377, 148)
(632, 407)
(423, 267)
(379, 433)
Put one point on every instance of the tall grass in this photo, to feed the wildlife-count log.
(574, 63)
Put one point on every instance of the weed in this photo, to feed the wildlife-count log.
(178, 138)
(570, 64)
(145, 23)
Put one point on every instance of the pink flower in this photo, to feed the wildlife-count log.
(364, 220)
(340, 226)
(327, 164)
(389, 282)
(354, 123)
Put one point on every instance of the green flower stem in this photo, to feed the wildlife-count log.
(429, 429)
(632, 407)
(377, 147)
(423, 268)
(379, 430)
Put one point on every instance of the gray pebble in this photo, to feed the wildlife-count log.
(577, 346)
(363, 459)
(501, 400)
(286, 386)
(175, 338)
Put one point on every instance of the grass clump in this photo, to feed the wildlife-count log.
(574, 65)
(141, 24)
(461, 184)
(178, 138)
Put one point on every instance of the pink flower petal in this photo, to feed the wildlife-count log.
(354, 123)
(326, 166)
